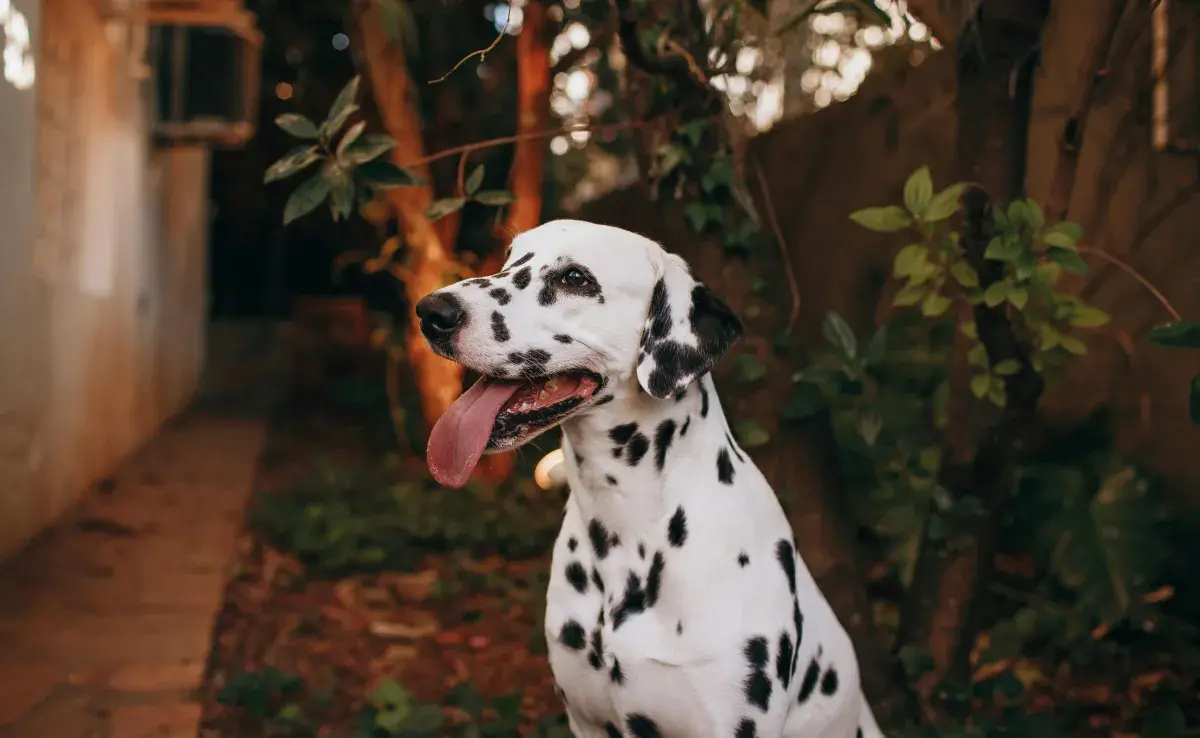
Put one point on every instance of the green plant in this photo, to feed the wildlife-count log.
(1185, 335)
(935, 273)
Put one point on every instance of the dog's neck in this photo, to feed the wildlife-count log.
(613, 453)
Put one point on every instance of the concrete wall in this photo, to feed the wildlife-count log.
(103, 278)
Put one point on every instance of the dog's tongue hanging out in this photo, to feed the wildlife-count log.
(460, 436)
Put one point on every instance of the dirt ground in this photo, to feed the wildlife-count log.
(455, 620)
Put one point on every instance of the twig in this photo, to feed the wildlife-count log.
(481, 53)
(788, 269)
(1125, 267)
(462, 169)
(502, 140)
(631, 45)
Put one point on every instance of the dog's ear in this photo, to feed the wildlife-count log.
(688, 329)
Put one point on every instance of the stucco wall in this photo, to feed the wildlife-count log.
(104, 286)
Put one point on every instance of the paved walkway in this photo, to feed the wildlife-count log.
(106, 620)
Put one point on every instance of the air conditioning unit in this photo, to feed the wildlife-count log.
(206, 57)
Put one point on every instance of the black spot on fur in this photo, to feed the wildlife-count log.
(501, 295)
(829, 682)
(677, 528)
(811, 675)
(633, 603)
(654, 578)
(598, 535)
(787, 560)
(578, 459)
(642, 726)
(641, 550)
(611, 731)
(712, 323)
(686, 422)
(547, 294)
(562, 338)
(680, 395)
(733, 447)
(615, 674)
(638, 446)
(596, 580)
(571, 635)
(783, 660)
(577, 576)
(746, 729)
(604, 400)
(679, 628)
(572, 542)
(663, 435)
(703, 402)
(756, 652)
(596, 654)
(622, 433)
(724, 467)
(522, 278)
(858, 733)
(614, 541)
(499, 328)
(610, 479)
(520, 261)
(743, 559)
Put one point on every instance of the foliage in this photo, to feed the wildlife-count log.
(936, 273)
(1186, 335)
(342, 520)
(283, 705)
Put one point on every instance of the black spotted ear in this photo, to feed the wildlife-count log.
(687, 331)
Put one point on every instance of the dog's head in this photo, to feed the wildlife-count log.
(577, 309)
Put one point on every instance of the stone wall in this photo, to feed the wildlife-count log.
(105, 298)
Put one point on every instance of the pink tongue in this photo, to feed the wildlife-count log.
(460, 436)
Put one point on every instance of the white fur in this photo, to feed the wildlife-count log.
(684, 660)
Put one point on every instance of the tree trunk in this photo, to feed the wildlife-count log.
(438, 381)
(529, 160)
(994, 71)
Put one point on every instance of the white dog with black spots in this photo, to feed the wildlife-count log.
(677, 604)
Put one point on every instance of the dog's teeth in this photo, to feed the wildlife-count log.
(552, 384)
(543, 394)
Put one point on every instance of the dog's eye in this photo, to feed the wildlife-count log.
(574, 278)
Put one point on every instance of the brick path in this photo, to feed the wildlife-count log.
(106, 620)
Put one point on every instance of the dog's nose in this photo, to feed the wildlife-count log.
(440, 315)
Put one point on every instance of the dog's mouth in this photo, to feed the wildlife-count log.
(497, 414)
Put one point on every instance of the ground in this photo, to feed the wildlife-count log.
(301, 653)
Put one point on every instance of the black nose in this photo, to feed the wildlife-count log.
(440, 315)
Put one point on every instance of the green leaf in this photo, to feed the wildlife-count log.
(964, 274)
(1194, 400)
(390, 693)
(918, 191)
(807, 401)
(751, 434)
(471, 186)
(1018, 297)
(1176, 334)
(909, 294)
(305, 198)
(934, 305)
(1072, 345)
(297, 125)
(368, 147)
(1069, 260)
(869, 427)
(720, 174)
(1007, 368)
(882, 220)
(909, 259)
(439, 209)
(293, 161)
(341, 192)
(979, 385)
(424, 720)
(696, 213)
(384, 174)
(1003, 249)
(341, 110)
(1037, 219)
(944, 204)
(747, 368)
(493, 197)
(1086, 316)
(1059, 239)
(1073, 231)
(837, 331)
(996, 391)
(996, 293)
(977, 355)
(351, 135)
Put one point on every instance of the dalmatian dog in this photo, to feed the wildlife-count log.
(677, 605)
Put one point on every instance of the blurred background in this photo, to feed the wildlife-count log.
(960, 233)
